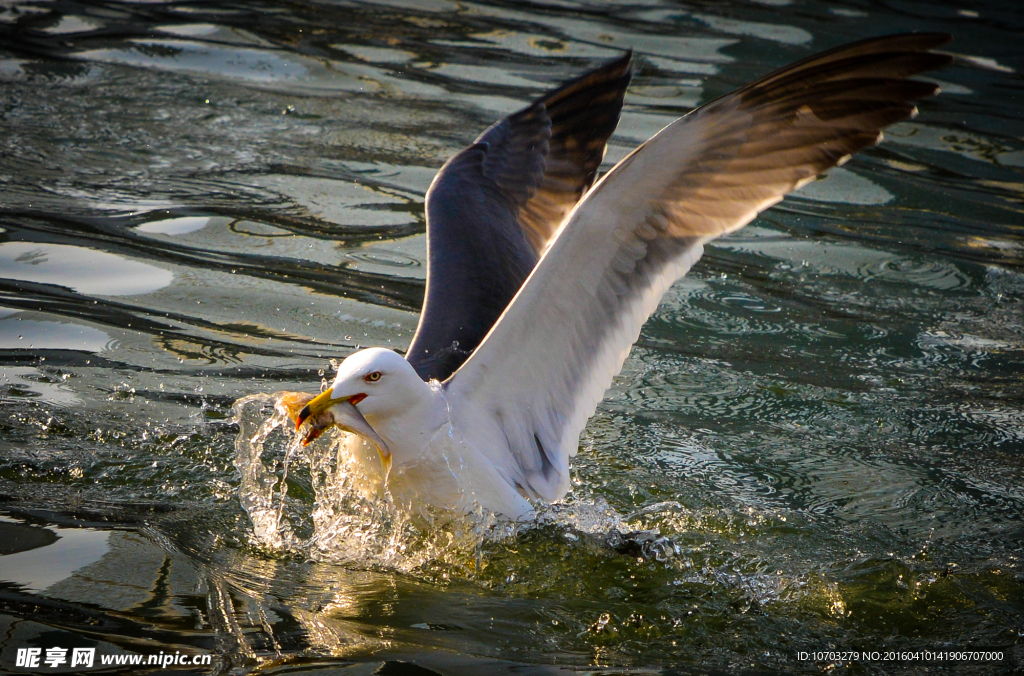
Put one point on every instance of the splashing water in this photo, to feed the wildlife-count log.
(329, 500)
(260, 487)
(323, 502)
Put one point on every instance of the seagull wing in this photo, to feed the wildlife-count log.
(539, 374)
(493, 208)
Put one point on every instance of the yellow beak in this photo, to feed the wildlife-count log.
(317, 405)
(345, 415)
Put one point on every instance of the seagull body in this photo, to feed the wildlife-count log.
(427, 458)
(539, 280)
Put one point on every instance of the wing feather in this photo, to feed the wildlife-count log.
(528, 389)
(493, 208)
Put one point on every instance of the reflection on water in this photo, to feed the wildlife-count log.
(28, 334)
(844, 187)
(51, 556)
(175, 226)
(87, 272)
(817, 442)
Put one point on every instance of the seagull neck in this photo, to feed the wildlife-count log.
(408, 431)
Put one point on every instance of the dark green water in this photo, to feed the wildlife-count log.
(825, 419)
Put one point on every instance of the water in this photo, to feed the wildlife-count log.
(816, 444)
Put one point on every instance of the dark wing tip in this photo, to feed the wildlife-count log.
(887, 58)
(609, 72)
(911, 42)
(584, 113)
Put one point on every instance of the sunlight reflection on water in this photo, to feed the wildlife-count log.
(87, 271)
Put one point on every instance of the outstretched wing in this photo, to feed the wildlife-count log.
(543, 368)
(493, 207)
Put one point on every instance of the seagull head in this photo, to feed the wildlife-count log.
(373, 386)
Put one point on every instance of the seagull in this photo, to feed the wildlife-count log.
(539, 279)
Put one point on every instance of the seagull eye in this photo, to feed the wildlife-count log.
(372, 377)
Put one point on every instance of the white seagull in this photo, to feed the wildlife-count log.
(538, 284)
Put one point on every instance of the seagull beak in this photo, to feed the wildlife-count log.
(319, 404)
(347, 417)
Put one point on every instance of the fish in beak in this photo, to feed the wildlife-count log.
(321, 412)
